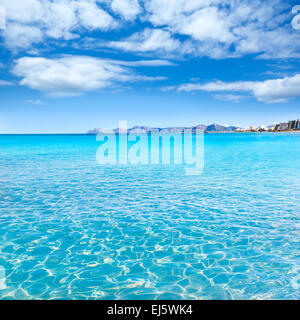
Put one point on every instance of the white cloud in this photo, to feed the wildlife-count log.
(168, 88)
(23, 11)
(270, 91)
(214, 28)
(36, 102)
(201, 20)
(225, 28)
(166, 12)
(5, 83)
(206, 24)
(128, 9)
(21, 36)
(74, 75)
(147, 40)
(57, 19)
(229, 97)
(93, 17)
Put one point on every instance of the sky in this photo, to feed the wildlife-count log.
(68, 66)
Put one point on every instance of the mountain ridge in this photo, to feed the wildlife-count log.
(202, 127)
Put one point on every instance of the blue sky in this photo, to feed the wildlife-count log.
(72, 65)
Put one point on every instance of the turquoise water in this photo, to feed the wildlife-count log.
(72, 229)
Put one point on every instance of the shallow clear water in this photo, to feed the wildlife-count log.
(72, 229)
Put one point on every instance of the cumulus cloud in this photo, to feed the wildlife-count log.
(166, 12)
(31, 21)
(147, 40)
(74, 75)
(269, 91)
(214, 28)
(206, 24)
(58, 19)
(21, 36)
(128, 9)
(225, 28)
(93, 17)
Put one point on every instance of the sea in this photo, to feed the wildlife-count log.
(72, 228)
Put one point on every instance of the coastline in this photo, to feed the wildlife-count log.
(94, 134)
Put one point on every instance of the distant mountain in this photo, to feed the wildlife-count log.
(138, 129)
(218, 128)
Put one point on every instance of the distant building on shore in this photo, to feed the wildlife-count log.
(294, 124)
(283, 126)
(262, 128)
(253, 128)
(272, 127)
(288, 126)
